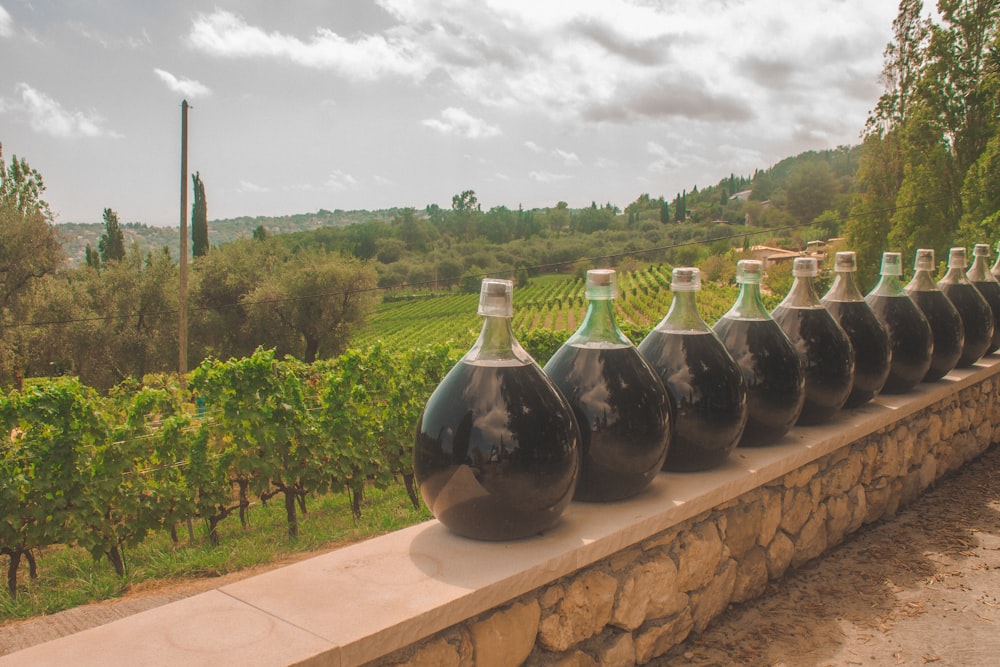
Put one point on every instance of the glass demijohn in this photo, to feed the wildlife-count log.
(620, 404)
(945, 322)
(706, 386)
(977, 318)
(771, 367)
(979, 275)
(497, 452)
(909, 332)
(872, 351)
(823, 347)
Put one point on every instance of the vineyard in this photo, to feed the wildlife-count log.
(552, 303)
(104, 474)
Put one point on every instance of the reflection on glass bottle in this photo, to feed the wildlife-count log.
(979, 275)
(497, 451)
(977, 318)
(909, 332)
(823, 347)
(706, 386)
(620, 404)
(943, 318)
(771, 367)
(872, 351)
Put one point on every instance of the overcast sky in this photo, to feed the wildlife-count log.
(366, 104)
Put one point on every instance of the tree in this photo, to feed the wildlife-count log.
(29, 249)
(112, 243)
(199, 218)
(311, 304)
(810, 189)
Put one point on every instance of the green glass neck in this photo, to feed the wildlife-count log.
(496, 342)
(844, 288)
(749, 305)
(683, 314)
(599, 326)
(802, 294)
(922, 281)
(954, 276)
(888, 285)
(979, 272)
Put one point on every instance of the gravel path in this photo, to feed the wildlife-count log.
(923, 588)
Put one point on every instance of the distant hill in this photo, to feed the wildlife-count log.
(76, 236)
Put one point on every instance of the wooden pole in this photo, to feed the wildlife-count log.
(182, 319)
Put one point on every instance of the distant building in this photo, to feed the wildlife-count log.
(742, 195)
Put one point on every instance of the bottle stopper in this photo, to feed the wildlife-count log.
(892, 264)
(601, 285)
(956, 258)
(846, 261)
(924, 260)
(804, 267)
(496, 298)
(748, 271)
(685, 279)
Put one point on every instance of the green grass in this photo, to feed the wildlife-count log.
(69, 577)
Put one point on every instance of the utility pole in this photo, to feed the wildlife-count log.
(182, 315)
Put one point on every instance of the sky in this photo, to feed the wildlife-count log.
(373, 104)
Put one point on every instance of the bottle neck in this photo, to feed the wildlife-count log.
(979, 272)
(888, 285)
(922, 281)
(802, 294)
(844, 288)
(599, 326)
(954, 276)
(496, 343)
(683, 314)
(749, 305)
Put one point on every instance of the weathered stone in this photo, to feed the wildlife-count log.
(583, 611)
(441, 653)
(698, 552)
(619, 561)
(877, 496)
(910, 487)
(800, 477)
(742, 527)
(506, 638)
(779, 555)
(795, 510)
(843, 476)
(713, 599)
(928, 471)
(660, 638)
(572, 659)
(666, 539)
(648, 590)
(772, 517)
(811, 540)
(858, 499)
(551, 596)
(619, 651)
(838, 518)
(751, 575)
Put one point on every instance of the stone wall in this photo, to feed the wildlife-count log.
(636, 604)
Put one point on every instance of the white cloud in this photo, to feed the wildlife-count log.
(665, 160)
(225, 34)
(6, 23)
(186, 87)
(459, 122)
(246, 187)
(569, 158)
(547, 176)
(340, 181)
(48, 116)
(532, 146)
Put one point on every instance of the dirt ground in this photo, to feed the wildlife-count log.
(923, 588)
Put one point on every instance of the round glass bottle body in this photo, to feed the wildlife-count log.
(621, 406)
(705, 384)
(942, 316)
(979, 275)
(977, 318)
(496, 455)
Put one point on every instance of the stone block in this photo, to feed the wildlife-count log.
(713, 599)
(572, 659)
(583, 611)
(619, 651)
(751, 575)
(647, 591)
(697, 552)
(779, 555)
(507, 637)
(437, 653)
(800, 477)
(796, 507)
(657, 639)
(743, 523)
(772, 517)
(858, 499)
(811, 540)
(877, 497)
(838, 518)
